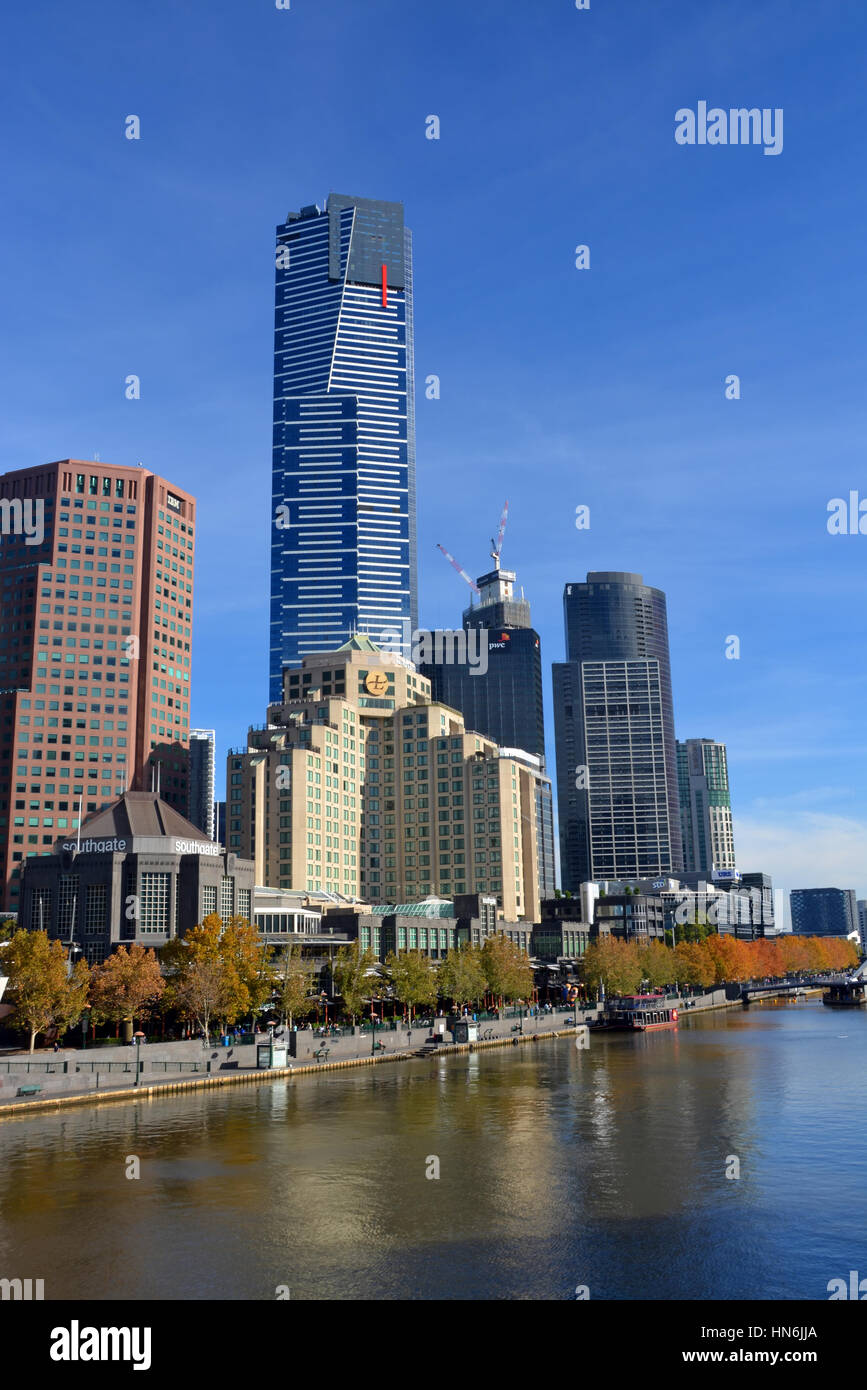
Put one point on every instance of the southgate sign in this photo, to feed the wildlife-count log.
(121, 846)
(95, 847)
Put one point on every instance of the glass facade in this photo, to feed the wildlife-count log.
(343, 517)
(617, 781)
(200, 809)
(824, 911)
(705, 806)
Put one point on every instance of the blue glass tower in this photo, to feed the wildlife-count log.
(343, 549)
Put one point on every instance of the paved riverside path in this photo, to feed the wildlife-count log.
(77, 1071)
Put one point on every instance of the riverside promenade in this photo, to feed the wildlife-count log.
(109, 1072)
(102, 1073)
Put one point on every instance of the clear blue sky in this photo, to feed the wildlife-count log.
(559, 386)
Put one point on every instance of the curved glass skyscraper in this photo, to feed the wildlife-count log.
(343, 550)
(614, 720)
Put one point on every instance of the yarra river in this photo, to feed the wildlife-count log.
(557, 1168)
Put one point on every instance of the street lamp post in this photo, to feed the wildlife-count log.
(138, 1038)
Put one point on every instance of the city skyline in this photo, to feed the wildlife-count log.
(581, 416)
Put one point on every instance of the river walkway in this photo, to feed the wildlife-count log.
(74, 1076)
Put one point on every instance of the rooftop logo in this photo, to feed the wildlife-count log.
(23, 518)
(196, 847)
(737, 126)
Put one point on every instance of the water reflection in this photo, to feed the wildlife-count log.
(556, 1167)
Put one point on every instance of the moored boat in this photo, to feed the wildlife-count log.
(638, 1013)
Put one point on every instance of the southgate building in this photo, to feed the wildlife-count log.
(140, 874)
(343, 541)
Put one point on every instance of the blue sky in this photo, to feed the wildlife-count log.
(560, 387)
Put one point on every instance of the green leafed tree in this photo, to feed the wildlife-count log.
(461, 976)
(293, 981)
(353, 977)
(413, 979)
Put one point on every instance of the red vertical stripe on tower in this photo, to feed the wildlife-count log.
(385, 287)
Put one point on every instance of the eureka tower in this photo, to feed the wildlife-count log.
(343, 543)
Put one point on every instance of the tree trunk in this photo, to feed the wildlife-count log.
(32, 1039)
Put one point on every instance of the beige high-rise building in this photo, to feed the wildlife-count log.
(359, 785)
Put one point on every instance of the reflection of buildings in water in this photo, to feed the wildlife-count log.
(671, 1116)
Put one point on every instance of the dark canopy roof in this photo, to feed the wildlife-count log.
(139, 813)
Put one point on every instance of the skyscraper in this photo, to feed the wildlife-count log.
(614, 727)
(823, 911)
(96, 585)
(504, 701)
(705, 806)
(343, 549)
(201, 787)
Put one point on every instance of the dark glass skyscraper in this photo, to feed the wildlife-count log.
(614, 723)
(504, 702)
(824, 911)
(343, 550)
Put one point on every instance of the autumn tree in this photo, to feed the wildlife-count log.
(794, 953)
(612, 963)
(42, 991)
(126, 985)
(507, 970)
(657, 963)
(236, 949)
(695, 966)
(199, 993)
(461, 976)
(245, 957)
(412, 977)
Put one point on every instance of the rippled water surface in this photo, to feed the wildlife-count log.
(557, 1168)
